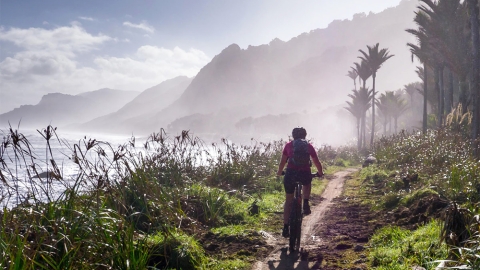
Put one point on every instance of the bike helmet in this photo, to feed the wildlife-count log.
(299, 133)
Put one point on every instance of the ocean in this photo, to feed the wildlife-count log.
(32, 151)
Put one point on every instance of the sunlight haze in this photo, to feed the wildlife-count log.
(76, 46)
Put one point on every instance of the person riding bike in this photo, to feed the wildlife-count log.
(297, 171)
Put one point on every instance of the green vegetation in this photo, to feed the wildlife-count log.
(418, 171)
(150, 208)
(397, 248)
(142, 207)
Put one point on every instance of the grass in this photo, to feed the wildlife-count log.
(175, 250)
(444, 167)
(233, 264)
(397, 248)
(147, 208)
(138, 207)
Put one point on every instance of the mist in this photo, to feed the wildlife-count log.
(257, 92)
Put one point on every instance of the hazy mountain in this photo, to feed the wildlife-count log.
(275, 86)
(145, 105)
(306, 73)
(62, 109)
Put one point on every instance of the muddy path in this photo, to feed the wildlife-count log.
(280, 258)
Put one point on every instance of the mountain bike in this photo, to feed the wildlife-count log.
(296, 217)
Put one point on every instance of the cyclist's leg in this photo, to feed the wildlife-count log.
(306, 190)
(289, 185)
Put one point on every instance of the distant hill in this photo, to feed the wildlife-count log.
(145, 105)
(304, 74)
(61, 109)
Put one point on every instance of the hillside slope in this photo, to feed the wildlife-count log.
(61, 109)
(146, 104)
(305, 74)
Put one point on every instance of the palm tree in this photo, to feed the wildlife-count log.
(444, 24)
(383, 104)
(424, 55)
(359, 107)
(374, 59)
(355, 109)
(410, 89)
(353, 75)
(363, 71)
(447, 31)
(398, 107)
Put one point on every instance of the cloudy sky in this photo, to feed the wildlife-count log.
(77, 46)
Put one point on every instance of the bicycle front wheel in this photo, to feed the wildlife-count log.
(295, 226)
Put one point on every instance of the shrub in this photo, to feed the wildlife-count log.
(176, 250)
(417, 195)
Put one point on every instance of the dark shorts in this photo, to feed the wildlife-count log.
(291, 176)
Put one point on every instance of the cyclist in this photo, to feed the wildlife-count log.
(293, 172)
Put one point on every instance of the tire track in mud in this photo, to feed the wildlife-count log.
(280, 258)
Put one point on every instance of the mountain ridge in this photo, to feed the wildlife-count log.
(59, 109)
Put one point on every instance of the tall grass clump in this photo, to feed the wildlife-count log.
(176, 250)
(239, 166)
(397, 248)
(467, 255)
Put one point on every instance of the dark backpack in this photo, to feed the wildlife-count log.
(301, 156)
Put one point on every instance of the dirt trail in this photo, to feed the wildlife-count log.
(280, 258)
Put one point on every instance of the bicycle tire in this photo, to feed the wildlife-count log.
(299, 226)
(293, 227)
(295, 220)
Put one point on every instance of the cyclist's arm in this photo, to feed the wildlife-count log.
(283, 161)
(317, 164)
(316, 161)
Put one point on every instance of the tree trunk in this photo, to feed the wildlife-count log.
(395, 118)
(441, 96)
(373, 111)
(362, 143)
(474, 17)
(359, 134)
(463, 99)
(449, 95)
(425, 115)
(389, 125)
(436, 76)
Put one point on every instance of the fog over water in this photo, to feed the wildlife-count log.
(16, 162)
